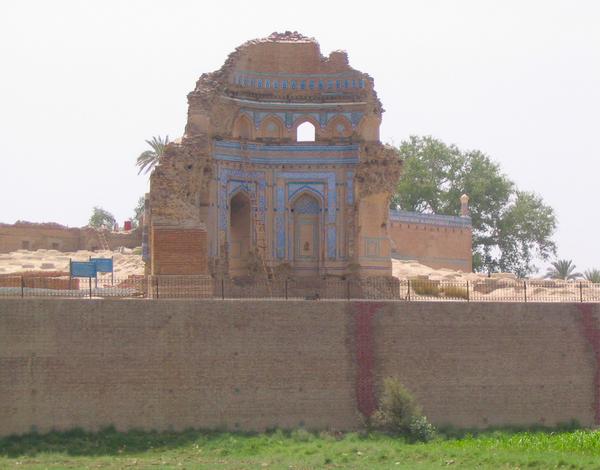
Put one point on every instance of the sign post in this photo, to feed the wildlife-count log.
(105, 265)
(83, 269)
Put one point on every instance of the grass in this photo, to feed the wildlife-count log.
(300, 449)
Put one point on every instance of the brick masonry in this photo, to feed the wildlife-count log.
(591, 331)
(52, 236)
(179, 251)
(252, 365)
(432, 245)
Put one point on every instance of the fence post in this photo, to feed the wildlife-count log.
(222, 288)
(468, 294)
(348, 289)
(525, 290)
(286, 288)
(408, 291)
(156, 285)
(580, 291)
(90, 286)
(22, 287)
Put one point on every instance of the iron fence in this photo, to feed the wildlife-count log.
(197, 287)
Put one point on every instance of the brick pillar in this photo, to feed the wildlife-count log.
(179, 251)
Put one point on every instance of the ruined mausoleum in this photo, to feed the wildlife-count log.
(244, 189)
(280, 169)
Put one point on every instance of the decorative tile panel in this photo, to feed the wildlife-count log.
(279, 222)
(430, 219)
(350, 187)
(231, 181)
(313, 180)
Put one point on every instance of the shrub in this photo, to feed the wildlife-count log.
(420, 429)
(456, 292)
(400, 414)
(425, 287)
(302, 435)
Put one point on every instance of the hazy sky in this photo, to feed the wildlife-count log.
(84, 83)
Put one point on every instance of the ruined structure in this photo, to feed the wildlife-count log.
(243, 192)
(24, 235)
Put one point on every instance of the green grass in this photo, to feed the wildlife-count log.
(300, 449)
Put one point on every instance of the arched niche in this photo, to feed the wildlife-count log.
(368, 128)
(307, 236)
(339, 127)
(242, 128)
(240, 232)
(271, 128)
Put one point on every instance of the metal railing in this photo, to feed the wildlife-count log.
(197, 287)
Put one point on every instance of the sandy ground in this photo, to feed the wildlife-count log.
(498, 287)
(409, 269)
(501, 286)
(125, 263)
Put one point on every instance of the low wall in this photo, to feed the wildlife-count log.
(252, 365)
(51, 236)
(30, 236)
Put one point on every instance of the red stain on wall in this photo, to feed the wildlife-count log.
(365, 356)
(591, 331)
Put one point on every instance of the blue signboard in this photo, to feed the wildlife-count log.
(103, 265)
(83, 269)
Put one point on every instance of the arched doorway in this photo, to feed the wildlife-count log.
(307, 234)
(240, 227)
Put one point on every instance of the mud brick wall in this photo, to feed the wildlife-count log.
(179, 251)
(252, 365)
(32, 236)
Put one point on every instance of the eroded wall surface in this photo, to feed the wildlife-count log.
(438, 241)
(53, 236)
(252, 365)
(242, 137)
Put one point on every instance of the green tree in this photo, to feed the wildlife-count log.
(101, 219)
(562, 269)
(511, 228)
(148, 159)
(138, 212)
(592, 275)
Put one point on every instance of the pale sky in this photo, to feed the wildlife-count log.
(84, 83)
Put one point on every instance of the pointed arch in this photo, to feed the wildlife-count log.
(240, 230)
(306, 190)
(339, 127)
(306, 124)
(271, 127)
(307, 236)
(243, 128)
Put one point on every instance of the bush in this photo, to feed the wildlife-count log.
(420, 429)
(400, 414)
(456, 292)
(425, 287)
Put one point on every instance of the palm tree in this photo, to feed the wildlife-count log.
(592, 275)
(562, 269)
(150, 158)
